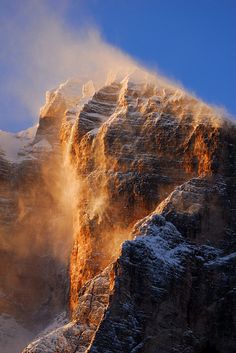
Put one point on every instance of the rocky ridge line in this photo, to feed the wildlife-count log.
(172, 286)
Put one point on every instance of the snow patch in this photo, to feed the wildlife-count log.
(163, 241)
(12, 145)
(223, 260)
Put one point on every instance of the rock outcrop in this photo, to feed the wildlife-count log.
(148, 175)
(133, 144)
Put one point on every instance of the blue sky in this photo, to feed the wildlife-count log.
(191, 41)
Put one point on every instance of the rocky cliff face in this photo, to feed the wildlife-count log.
(148, 175)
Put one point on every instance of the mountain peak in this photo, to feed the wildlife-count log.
(132, 182)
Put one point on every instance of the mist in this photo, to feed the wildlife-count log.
(44, 51)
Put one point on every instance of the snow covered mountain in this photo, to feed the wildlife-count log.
(119, 212)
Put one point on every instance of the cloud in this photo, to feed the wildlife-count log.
(41, 51)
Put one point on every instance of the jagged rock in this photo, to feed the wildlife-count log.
(203, 210)
(134, 142)
(75, 336)
(135, 150)
(168, 295)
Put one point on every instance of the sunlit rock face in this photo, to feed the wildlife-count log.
(132, 145)
(140, 145)
(76, 335)
(141, 176)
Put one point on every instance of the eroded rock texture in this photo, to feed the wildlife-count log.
(170, 296)
(149, 174)
(133, 144)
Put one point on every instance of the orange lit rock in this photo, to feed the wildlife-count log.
(133, 144)
(146, 174)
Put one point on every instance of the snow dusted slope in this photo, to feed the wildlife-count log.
(69, 96)
(13, 147)
(138, 145)
(153, 296)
